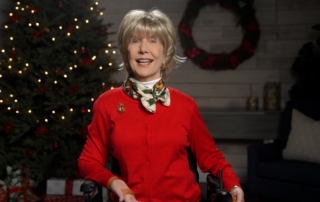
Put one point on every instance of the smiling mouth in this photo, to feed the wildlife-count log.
(144, 62)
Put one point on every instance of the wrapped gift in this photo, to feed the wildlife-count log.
(52, 198)
(3, 193)
(14, 183)
(60, 186)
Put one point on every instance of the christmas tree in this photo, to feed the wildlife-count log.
(55, 62)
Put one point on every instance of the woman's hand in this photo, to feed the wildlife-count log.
(237, 195)
(117, 186)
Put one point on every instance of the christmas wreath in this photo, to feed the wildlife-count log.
(244, 11)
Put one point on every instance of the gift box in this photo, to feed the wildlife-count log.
(14, 183)
(51, 198)
(60, 186)
(3, 193)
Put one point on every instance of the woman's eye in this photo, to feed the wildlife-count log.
(153, 41)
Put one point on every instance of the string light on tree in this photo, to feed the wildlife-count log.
(39, 80)
(46, 120)
(94, 57)
(3, 50)
(29, 111)
(75, 52)
(107, 51)
(22, 9)
(11, 38)
(27, 64)
(71, 110)
(70, 68)
(18, 3)
(110, 63)
(20, 72)
(10, 14)
(68, 34)
(77, 27)
(6, 26)
(9, 108)
(53, 39)
(60, 27)
(87, 21)
(89, 110)
(101, 13)
(62, 117)
(55, 82)
(65, 76)
(100, 67)
(30, 24)
(91, 8)
(53, 112)
(109, 45)
(9, 67)
(97, 3)
(11, 95)
(92, 99)
(15, 100)
(17, 111)
(76, 19)
(114, 52)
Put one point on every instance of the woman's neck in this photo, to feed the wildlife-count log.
(148, 84)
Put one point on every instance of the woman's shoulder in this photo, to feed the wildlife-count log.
(110, 94)
(180, 96)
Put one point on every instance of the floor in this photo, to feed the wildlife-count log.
(247, 196)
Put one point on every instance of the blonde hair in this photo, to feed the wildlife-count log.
(140, 23)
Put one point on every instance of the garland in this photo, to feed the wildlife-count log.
(223, 61)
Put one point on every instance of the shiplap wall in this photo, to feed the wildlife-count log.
(285, 26)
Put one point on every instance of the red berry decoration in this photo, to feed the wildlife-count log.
(56, 145)
(83, 51)
(60, 4)
(56, 71)
(13, 51)
(83, 111)
(103, 85)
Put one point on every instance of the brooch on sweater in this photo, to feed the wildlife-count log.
(121, 108)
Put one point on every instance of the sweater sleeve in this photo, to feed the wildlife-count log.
(93, 158)
(209, 158)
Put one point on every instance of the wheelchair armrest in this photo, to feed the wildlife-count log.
(213, 185)
(88, 186)
(91, 191)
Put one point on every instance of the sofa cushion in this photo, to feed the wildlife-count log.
(290, 171)
(304, 139)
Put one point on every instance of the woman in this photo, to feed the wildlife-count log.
(150, 126)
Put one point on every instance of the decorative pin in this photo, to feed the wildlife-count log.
(121, 108)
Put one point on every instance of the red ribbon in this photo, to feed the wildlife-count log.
(192, 53)
(68, 189)
(184, 29)
(21, 192)
(234, 59)
(209, 61)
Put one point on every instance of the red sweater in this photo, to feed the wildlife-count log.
(152, 148)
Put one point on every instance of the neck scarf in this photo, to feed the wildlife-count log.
(148, 96)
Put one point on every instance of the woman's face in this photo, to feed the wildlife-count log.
(145, 57)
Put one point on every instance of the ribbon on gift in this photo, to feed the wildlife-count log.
(68, 189)
(21, 192)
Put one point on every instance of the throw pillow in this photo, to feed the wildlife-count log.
(304, 139)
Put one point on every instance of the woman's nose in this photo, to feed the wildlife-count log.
(143, 46)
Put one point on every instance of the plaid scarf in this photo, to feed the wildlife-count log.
(147, 96)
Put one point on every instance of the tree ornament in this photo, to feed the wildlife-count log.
(60, 4)
(222, 61)
(14, 18)
(74, 88)
(37, 34)
(41, 130)
(13, 51)
(70, 29)
(56, 145)
(87, 61)
(103, 85)
(83, 51)
(7, 127)
(83, 111)
(56, 71)
(83, 131)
